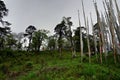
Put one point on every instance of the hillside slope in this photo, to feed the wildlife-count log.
(49, 66)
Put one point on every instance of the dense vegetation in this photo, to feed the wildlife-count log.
(47, 65)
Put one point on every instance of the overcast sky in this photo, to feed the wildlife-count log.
(46, 14)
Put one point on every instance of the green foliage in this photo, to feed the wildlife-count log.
(44, 66)
(63, 30)
(77, 40)
(4, 30)
(4, 68)
(10, 41)
(38, 37)
(29, 65)
(29, 32)
(52, 43)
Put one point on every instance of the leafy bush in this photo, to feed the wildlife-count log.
(29, 64)
(4, 68)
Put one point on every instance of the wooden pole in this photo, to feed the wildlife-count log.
(86, 31)
(118, 11)
(112, 29)
(99, 24)
(81, 41)
(89, 52)
(95, 44)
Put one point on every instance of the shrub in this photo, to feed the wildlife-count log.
(29, 64)
(4, 68)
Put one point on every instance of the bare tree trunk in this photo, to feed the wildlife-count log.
(60, 45)
(60, 51)
(72, 48)
(29, 44)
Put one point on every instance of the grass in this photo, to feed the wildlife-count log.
(48, 65)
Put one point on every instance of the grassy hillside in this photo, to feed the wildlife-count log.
(49, 66)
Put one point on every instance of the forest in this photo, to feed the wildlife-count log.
(67, 54)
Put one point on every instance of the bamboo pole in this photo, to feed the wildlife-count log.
(103, 29)
(95, 44)
(111, 24)
(116, 26)
(86, 31)
(118, 17)
(99, 24)
(81, 41)
(107, 22)
(88, 41)
(118, 11)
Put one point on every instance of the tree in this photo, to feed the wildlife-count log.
(51, 43)
(38, 37)
(4, 29)
(68, 33)
(29, 32)
(10, 42)
(77, 39)
(19, 38)
(63, 30)
(60, 32)
(3, 10)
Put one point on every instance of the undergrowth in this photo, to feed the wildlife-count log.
(48, 65)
